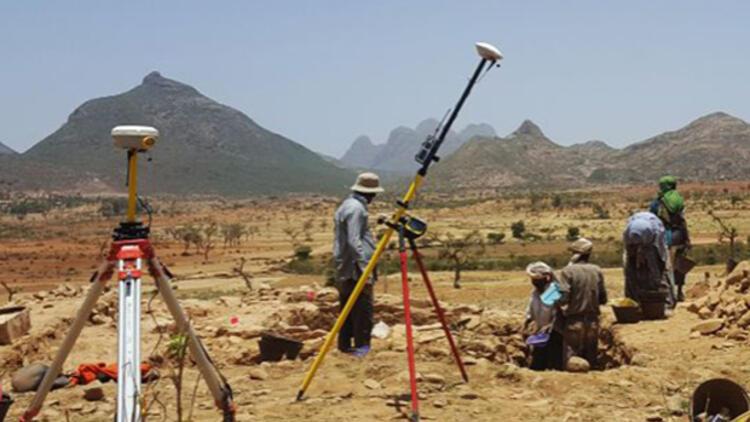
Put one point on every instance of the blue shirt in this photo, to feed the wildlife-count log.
(353, 244)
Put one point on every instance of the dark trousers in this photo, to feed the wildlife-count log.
(582, 337)
(358, 324)
(550, 356)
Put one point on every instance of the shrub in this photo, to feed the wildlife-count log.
(518, 229)
(573, 234)
(496, 238)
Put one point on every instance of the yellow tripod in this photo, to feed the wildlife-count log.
(428, 154)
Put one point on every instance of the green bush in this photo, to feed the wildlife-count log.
(573, 234)
(518, 229)
(495, 238)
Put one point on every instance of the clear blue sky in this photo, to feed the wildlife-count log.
(324, 72)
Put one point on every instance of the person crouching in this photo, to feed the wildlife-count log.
(542, 319)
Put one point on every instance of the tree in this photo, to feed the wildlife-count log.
(518, 229)
(573, 233)
(233, 233)
(208, 244)
(456, 250)
(727, 233)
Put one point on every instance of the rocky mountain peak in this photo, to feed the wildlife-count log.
(529, 128)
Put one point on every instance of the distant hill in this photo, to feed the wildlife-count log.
(396, 155)
(205, 147)
(6, 150)
(713, 147)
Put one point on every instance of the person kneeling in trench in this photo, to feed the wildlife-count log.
(542, 318)
(353, 247)
(582, 291)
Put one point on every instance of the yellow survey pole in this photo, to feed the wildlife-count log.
(360, 284)
(132, 185)
(426, 156)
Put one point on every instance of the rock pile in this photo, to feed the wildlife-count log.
(724, 305)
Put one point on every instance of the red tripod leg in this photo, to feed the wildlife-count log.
(409, 337)
(438, 310)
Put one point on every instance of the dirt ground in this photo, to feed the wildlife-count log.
(665, 364)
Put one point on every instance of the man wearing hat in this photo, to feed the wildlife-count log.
(353, 247)
(584, 291)
(542, 320)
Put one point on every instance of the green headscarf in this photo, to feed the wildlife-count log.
(667, 183)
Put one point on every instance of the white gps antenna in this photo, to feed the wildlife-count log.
(489, 52)
(138, 138)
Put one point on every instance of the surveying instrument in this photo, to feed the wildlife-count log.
(400, 221)
(130, 254)
(409, 229)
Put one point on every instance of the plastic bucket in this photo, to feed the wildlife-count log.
(274, 348)
(627, 314)
(653, 304)
(715, 394)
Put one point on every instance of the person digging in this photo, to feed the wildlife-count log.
(542, 319)
(583, 291)
(645, 259)
(353, 246)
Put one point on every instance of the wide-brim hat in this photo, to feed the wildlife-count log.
(367, 183)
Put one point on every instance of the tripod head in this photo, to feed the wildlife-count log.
(133, 139)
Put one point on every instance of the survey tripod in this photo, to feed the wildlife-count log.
(409, 229)
(131, 255)
(425, 157)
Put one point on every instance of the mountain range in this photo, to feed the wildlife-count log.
(713, 147)
(396, 155)
(205, 147)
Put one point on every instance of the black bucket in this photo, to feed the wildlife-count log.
(5, 403)
(718, 393)
(653, 304)
(273, 348)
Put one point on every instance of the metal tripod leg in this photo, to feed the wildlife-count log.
(95, 291)
(219, 389)
(438, 310)
(409, 335)
(129, 266)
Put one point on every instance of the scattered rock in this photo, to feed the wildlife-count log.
(372, 384)
(675, 405)
(469, 395)
(259, 374)
(434, 378)
(709, 326)
(93, 394)
(440, 403)
(577, 364)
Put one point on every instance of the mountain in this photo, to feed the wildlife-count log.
(713, 147)
(361, 153)
(396, 155)
(6, 150)
(205, 147)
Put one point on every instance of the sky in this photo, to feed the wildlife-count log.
(324, 72)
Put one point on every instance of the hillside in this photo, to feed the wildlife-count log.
(713, 147)
(6, 150)
(205, 147)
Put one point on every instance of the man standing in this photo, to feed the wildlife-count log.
(353, 247)
(583, 290)
(669, 206)
(542, 319)
(646, 257)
